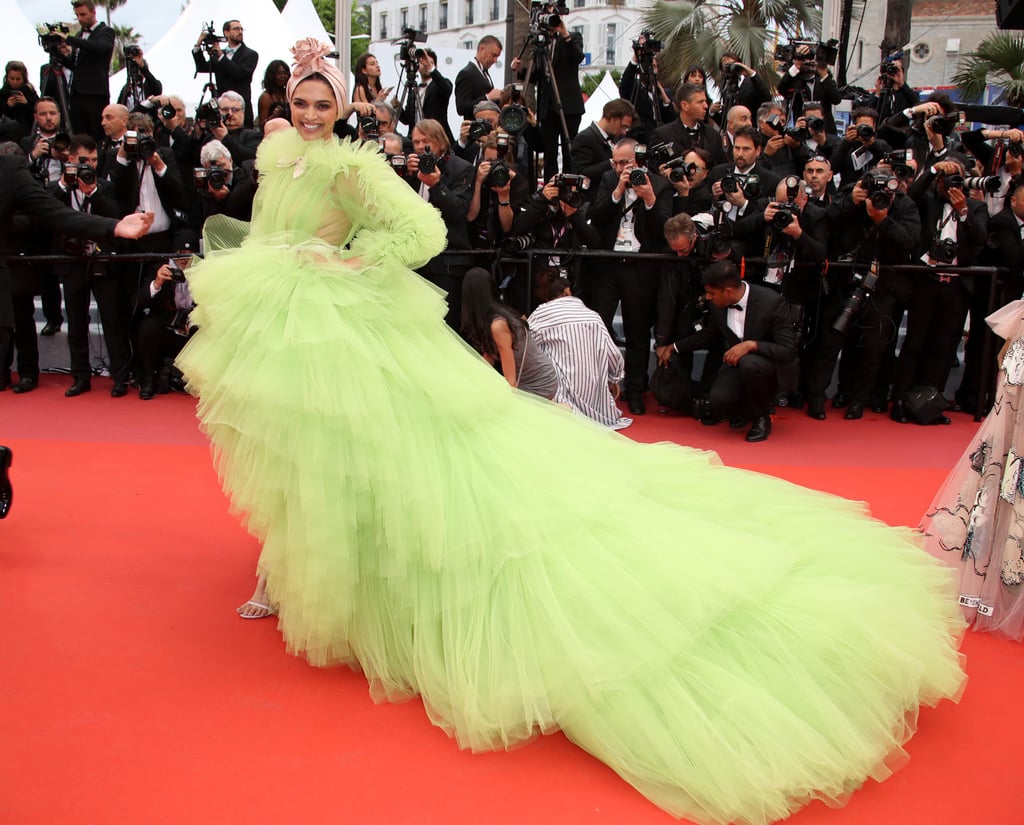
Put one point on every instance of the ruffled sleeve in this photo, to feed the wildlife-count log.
(1005, 319)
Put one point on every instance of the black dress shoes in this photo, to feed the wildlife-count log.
(636, 405)
(854, 410)
(79, 386)
(119, 390)
(898, 413)
(760, 429)
(147, 388)
(839, 401)
(26, 385)
(816, 410)
(5, 380)
(880, 406)
(50, 329)
(6, 491)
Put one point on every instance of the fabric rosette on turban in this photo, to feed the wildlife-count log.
(309, 59)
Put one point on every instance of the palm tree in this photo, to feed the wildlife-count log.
(698, 32)
(123, 36)
(110, 5)
(999, 60)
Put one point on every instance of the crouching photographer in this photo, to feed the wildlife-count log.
(556, 217)
(953, 231)
(166, 306)
(221, 187)
(881, 227)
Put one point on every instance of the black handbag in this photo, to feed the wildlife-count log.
(924, 404)
(672, 387)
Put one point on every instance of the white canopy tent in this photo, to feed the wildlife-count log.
(19, 40)
(170, 59)
(606, 91)
(301, 18)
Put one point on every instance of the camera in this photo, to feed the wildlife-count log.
(210, 37)
(138, 145)
(881, 189)
(545, 16)
(865, 131)
(60, 142)
(217, 178)
(788, 212)
(637, 177)
(898, 161)
(943, 250)
(889, 69)
(865, 285)
(813, 54)
(1015, 148)
(407, 49)
(679, 170)
(986, 183)
(646, 48)
(199, 176)
(399, 163)
(514, 244)
(571, 187)
(712, 244)
(477, 129)
(86, 174)
(660, 154)
(732, 71)
(749, 184)
(776, 123)
(498, 175)
(797, 134)
(132, 51)
(168, 112)
(816, 124)
(71, 176)
(49, 39)
(513, 118)
(428, 162)
(209, 113)
(369, 126)
(177, 276)
(945, 124)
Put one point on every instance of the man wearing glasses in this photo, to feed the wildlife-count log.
(232, 64)
(240, 141)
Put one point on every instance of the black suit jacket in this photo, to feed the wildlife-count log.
(800, 91)
(707, 137)
(648, 224)
(768, 322)
(971, 233)
(753, 91)
(565, 65)
(22, 192)
(470, 88)
(632, 88)
(90, 62)
(591, 156)
(1006, 248)
(436, 96)
(234, 75)
(169, 186)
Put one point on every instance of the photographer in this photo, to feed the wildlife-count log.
(446, 183)
(592, 147)
(473, 83)
(498, 193)
(221, 187)
(169, 121)
(784, 152)
(689, 130)
(231, 62)
(812, 122)
(735, 186)
(486, 115)
(810, 78)
(953, 231)
(433, 93)
(818, 177)
(240, 141)
(557, 217)
(925, 128)
(736, 118)
(17, 97)
(860, 148)
(751, 326)
(83, 190)
(166, 305)
(87, 55)
(559, 96)
(1001, 152)
(880, 226)
(740, 85)
(692, 192)
(141, 85)
(629, 212)
(892, 94)
(47, 146)
(640, 86)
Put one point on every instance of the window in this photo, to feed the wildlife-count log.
(609, 44)
(495, 9)
(423, 18)
(383, 25)
(468, 45)
(579, 4)
(442, 16)
(469, 12)
(404, 16)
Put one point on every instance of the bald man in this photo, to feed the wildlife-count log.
(114, 120)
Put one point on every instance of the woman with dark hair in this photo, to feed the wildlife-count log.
(367, 74)
(503, 338)
(17, 97)
(273, 100)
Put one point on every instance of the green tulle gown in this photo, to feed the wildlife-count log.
(730, 644)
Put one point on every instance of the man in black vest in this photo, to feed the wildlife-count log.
(88, 54)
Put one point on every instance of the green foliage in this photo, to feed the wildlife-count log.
(110, 5)
(999, 61)
(699, 33)
(123, 36)
(592, 81)
(325, 8)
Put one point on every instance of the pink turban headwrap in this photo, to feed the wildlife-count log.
(309, 60)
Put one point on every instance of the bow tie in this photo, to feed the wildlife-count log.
(735, 306)
(422, 85)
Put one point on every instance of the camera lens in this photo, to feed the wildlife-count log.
(637, 177)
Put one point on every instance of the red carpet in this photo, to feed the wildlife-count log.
(131, 693)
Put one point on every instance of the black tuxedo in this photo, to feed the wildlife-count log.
(436, 95)
(591, 156)
(169, 186)
(752, 92)
(842, 158)
(566, 56)
(801, 91)
(90, 85)
(150, 86)
(651, 111)
(471, 86)
(704, 136)
(748, 388)
(748, 228)
(162, 328)
(231, 74)
(634, 282)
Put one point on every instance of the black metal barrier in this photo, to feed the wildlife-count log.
(526, 256)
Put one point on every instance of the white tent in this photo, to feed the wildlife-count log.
(171, 58)
(606, 90)
(20, 41)
(301, 18)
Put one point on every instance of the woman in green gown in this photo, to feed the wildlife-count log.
(731, 644)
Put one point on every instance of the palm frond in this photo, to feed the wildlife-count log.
(999, 61)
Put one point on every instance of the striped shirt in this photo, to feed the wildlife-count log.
(586, 359)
